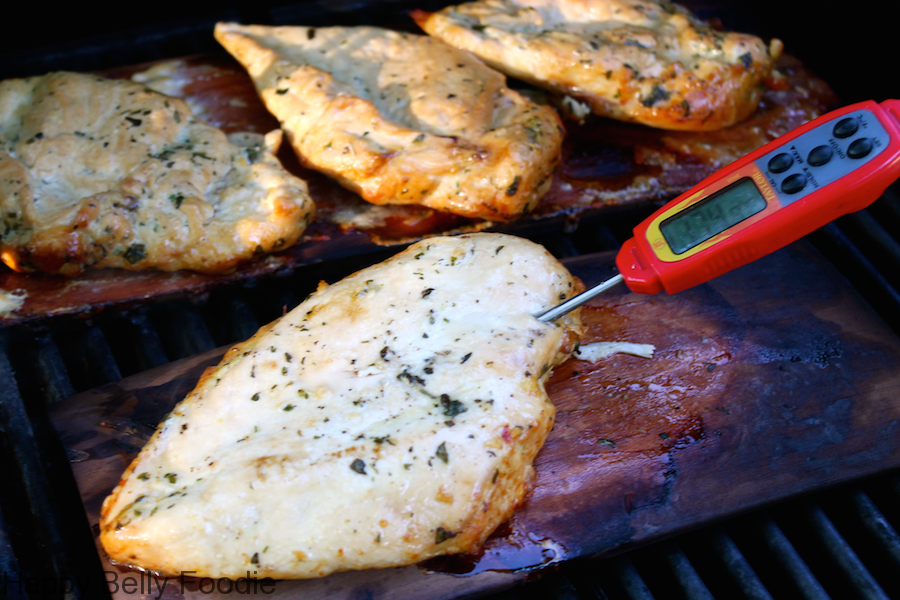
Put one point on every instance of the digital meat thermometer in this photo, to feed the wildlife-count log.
(836, 164)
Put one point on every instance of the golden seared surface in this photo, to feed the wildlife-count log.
(402, 118)
(107, 173)
(647, 61)
(391, 417)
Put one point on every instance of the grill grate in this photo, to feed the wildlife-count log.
(841, 543)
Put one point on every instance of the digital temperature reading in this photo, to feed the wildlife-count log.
(713, 215)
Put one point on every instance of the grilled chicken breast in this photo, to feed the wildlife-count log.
(647, 61)
(106, 173)
(389, 418)
(401, 118)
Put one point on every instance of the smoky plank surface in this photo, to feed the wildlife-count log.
(771, 381)
(605, 167)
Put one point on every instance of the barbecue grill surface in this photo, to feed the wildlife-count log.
(840, 543)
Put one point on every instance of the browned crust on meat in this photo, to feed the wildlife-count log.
(492, 158)
(645, 61)
(107, 173)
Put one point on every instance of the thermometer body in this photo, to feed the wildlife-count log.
(836, 164)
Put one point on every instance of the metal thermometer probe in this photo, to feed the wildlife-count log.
(576, 301)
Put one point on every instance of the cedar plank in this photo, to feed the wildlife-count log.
(606, 165)
(774, 380)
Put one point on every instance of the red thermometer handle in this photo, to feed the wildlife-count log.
(836, 164)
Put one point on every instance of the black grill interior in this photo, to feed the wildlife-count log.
(837, 543)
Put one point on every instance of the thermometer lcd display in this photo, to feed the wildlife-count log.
(713, 215)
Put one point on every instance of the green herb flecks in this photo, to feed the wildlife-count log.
(514, 186)
(442, 535)
(441, 453)
(135, 253)
(451, 407)
(414, 379)
(656, 94)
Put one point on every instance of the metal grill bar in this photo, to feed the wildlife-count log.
(558, 587)
(182, 330)
(9, 566)
(737, 566)
(843, 554)
(631, 580)
(22, 456)
(842, 250)
(53, 379)
(875, 242)
(789, 559)
(134, 342)
(687, 577)
(230, 319)
(878, 526)
(887, 210)
(88, 358)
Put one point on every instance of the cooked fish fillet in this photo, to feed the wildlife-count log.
(647, 61)
(106, 173)
(389, 418)
(401, 118)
